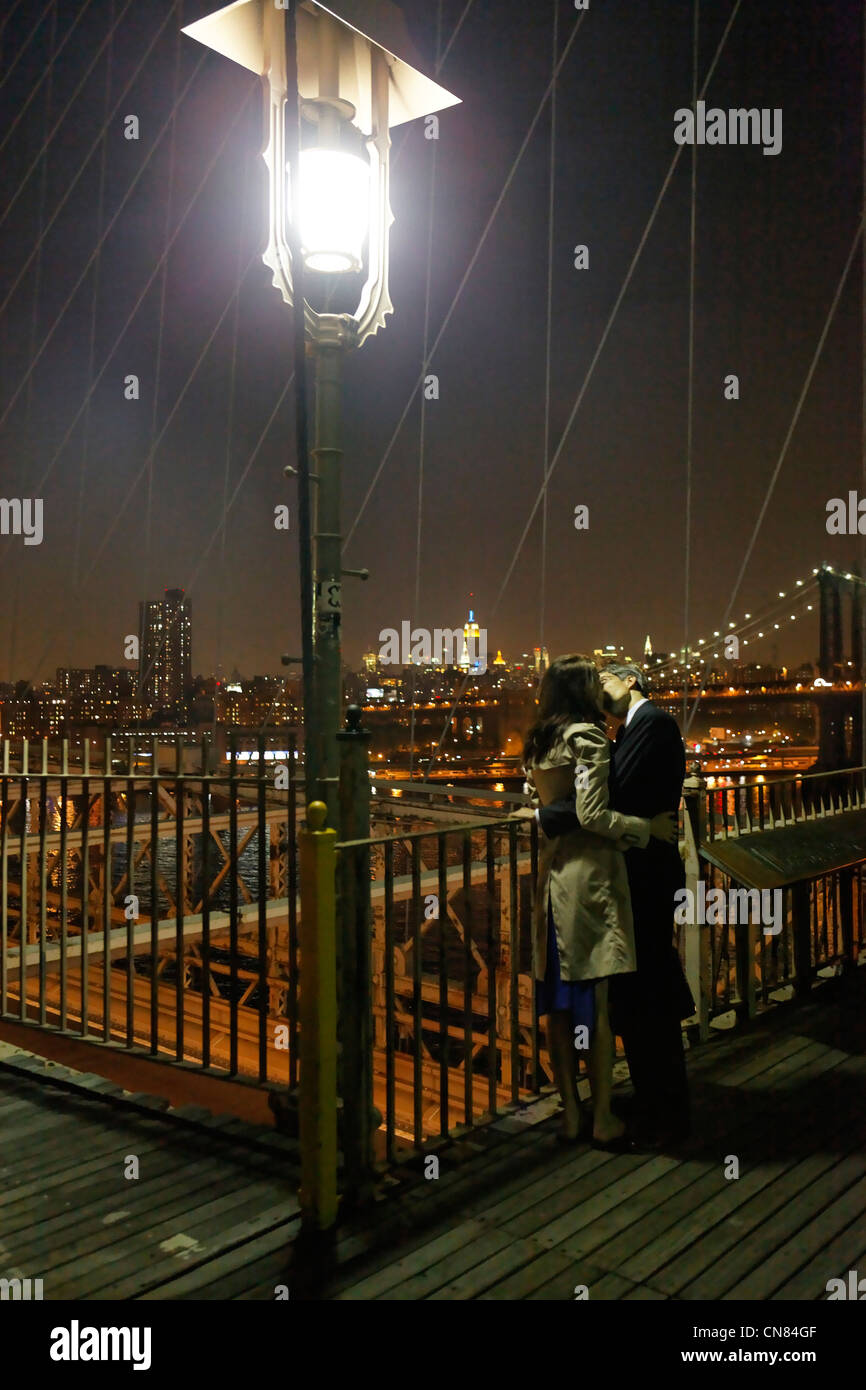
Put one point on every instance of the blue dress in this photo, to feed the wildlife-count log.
(553, 993)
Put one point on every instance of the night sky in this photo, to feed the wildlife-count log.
(125, 520)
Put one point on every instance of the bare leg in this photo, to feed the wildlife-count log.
(605, 1125)
(560, 1043)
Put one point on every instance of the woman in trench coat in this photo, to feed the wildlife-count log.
(582, 919)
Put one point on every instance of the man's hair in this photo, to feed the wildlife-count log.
(621, 670)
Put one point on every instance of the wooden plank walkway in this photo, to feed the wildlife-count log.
(73, 1213)
(513, 1215)
(785, 1098)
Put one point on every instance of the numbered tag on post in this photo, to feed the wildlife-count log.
(329, 598)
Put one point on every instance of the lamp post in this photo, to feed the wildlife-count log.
(336, 78)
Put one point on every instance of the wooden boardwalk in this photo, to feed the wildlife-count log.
(512, 1216)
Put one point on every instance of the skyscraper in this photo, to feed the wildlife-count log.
(165, 649)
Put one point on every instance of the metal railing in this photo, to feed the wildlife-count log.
(820, 931)
(752, 807)
(455, 1033)
(153, 907)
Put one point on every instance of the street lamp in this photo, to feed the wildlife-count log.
(336, 77)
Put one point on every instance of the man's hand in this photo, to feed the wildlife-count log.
(664, 827)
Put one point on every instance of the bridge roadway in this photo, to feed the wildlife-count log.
(513, 1216)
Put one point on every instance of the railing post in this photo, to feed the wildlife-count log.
(318, 1019)
(355, 963)
(847, 890)
(697, 962)
(745, 946)
(802, 931)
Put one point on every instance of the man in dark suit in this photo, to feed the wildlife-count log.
(647, 1007)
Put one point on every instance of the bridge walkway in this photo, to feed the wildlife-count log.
(213, 1214)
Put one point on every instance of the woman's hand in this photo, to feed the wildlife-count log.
(664, 827)
(524, 813)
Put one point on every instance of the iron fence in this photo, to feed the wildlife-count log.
(765, 805)
(149, 901)
(455, 1032)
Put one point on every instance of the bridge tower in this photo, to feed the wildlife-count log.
(834, 751)
(830, 591)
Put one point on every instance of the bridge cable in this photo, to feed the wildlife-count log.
(230, 422)
(470, 267)
(690, 407)
(140, 299)
(63, 200)
(163, 275)
(47, 73)
(91, 355)
(22, 48)
(548, 356)
(612, 317)
(109, 530)
(787, 441)
(596, 356)
(61, 118)
(749, 624)
(422, 428)
(34, 319)
(859, 594)
(405, 133)
(137, 479)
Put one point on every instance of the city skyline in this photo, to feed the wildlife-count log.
(153, 415)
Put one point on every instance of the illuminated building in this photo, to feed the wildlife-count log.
(541, 658)
(165, 649)
(471, 635)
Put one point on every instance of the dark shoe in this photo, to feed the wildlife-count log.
(675, 1138)
(666, 1141)
(625, 1144)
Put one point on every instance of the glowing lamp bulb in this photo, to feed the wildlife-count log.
(334, 209)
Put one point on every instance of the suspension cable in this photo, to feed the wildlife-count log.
(591, 369)
(22, 48)
(783, 453)
(690, 407)
(422, 428)
(62, 117)
(91, 260)
(34, 321)
(62, 203)
(46, 75)
(471, 266)
(157, 375)
(548, 357)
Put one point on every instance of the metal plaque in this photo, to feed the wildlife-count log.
(776, 858)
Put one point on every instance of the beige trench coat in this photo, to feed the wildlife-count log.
(583, 873)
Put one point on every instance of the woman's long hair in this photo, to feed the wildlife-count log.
(567, 695)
